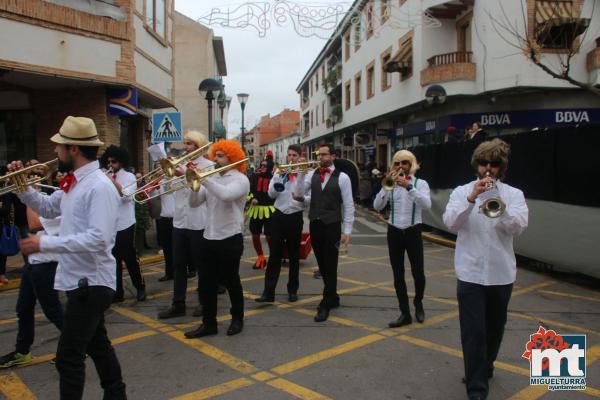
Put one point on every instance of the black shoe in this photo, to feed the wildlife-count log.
(165, 278)
(202, 330)
(403, 319)
(118, 299)
(235, 327)
(141, 293)
(419, 312)
(191, 274)
(172, 312)
(322, 315)
(198, 311)
(221, 289)
(292, 297)
(265, 299)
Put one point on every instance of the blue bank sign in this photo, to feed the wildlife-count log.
(506, 119)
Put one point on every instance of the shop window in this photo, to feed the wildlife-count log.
(156, 16)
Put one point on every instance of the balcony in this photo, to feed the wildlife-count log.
(455, 66)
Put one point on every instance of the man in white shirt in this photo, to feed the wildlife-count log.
(164, 232)
(188, 228)
(88, 204)
(407, 200)
(117, 160)
(225, 196)
(484, 261)
(331, 217)
(286, 230)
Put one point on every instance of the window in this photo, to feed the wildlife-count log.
(317, 81)
(404, 58)
(463, 31)
(357, 83)
(347, 94)
(357, 28)
(385, 76)
(317, 116)
(369, 11)
(557, 24)
(371, 79)
(311, 120)
(347, 46)
(155, 16)
(386, 10)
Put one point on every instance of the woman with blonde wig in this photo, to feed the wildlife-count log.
(407, 199)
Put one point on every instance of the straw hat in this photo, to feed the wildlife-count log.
(79, 131)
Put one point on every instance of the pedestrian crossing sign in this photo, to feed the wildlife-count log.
(166, 127)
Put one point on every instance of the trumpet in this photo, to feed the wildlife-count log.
(296, 168)
(389, 182)
(167, 168)
(492, 205)
(18, 181)
(195, 178)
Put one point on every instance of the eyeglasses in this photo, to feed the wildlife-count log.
(403, 162)
(323, 154)
(492, 163)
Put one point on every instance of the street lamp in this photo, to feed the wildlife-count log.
(435, 95)
(221, 101)
(243, 99)
(208, 85)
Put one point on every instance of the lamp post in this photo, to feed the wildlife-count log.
(208, 85)
(221, 100)
(243, 99)
(435, 95)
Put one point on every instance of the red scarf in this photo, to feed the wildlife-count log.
(67, 183)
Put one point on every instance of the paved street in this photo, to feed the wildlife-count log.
(283, 354)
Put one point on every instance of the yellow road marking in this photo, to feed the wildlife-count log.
(296, 390)
(535, 287)
(263, 376)
(149, 322)
(227, 317)
(530, 393)
(592, 391)
(133, 336)
(13, 320)
(569, 295)
(13, 388)
(217, 390)
(550, 322)
(325, 354)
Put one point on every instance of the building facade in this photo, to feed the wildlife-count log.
(284, 124)
(280, 145)
(366, 90)
(112, 61)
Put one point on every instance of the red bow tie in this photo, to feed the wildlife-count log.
(114, 176)
(67, 183)
(323, 171)
(190, 164)
(292, 176)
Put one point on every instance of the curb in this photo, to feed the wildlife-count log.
(16, 283)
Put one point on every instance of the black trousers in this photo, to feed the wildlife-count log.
(325, 239)
(482, 313)
(164, 235)
(409, 240)
(124, 251)
(84, 333)
(221, 265)
(37, 284)
(285, 229)
(188, 253)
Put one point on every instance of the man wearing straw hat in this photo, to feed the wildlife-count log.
(88, 204)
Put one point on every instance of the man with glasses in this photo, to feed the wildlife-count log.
(484, 261)
(407, 200)
(117, 160)
(331, 217)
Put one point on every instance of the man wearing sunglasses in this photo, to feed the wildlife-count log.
(407, 199)
(484, 261)
(331, 217)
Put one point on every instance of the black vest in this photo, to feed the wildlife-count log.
(326, 204)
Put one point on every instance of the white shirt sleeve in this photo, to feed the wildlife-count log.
(128, 187)
(420, 195)
(381, 200)
(516, 216)
(100, 232)
(303, 182)
(458, 209)
(234, 190)
(197, 198)
(348, 203)
(43, 205)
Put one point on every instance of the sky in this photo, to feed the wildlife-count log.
(267, 68)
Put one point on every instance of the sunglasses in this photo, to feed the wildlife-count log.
(403, 162)
(492, 163)
(112, 161)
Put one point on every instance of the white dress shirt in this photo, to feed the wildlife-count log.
(402, 201)
(185, 217)
(87, 228)
(484, 246)
(167, 205)
(283, 200)
(51, 227)
(304, 184)
(225, 198)
(127, 208)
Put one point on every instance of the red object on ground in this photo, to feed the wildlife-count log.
(305, 247)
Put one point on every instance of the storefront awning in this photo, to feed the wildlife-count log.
(555, 18)
(402, 60)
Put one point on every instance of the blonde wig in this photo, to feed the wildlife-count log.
(405, 155)
(197, 137)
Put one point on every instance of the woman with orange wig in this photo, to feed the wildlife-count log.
(224, 194)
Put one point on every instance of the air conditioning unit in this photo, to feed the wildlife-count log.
(363, 139)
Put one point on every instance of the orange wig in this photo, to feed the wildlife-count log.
(232, 150)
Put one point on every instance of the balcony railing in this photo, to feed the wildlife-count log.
(450, 58)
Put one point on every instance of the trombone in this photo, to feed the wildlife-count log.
(18, 181)
(389, 182)
(167, 168)
(195, 178)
